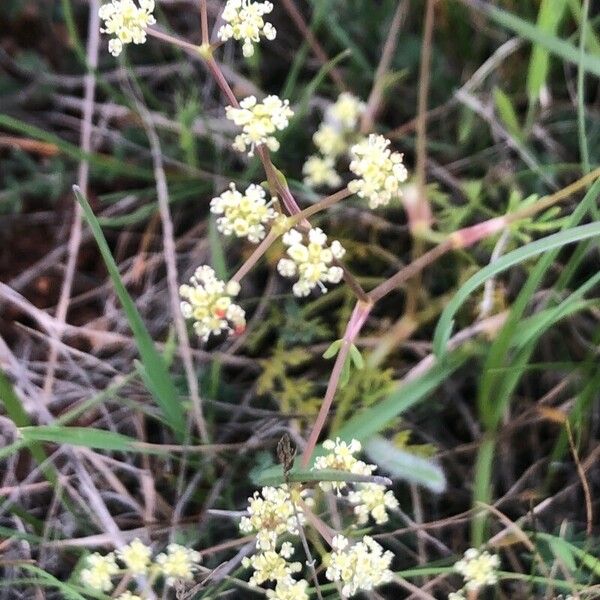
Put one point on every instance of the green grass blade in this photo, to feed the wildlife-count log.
(161, 384)
(534, 34)
(445, 324)
(274, 476)
(549, 17)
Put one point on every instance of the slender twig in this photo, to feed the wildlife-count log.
(204, 22)
(256, 255)
(584, 483)
(93, 44)
(170, 256)
(376, 95)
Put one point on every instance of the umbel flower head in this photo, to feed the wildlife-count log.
(127, 22)
(479, 568)
(244, 22)
(136, 556)
(345, 111)
(208, 301)
(259, 121)
(312, 262)
(271, 565)
(330, 141)
(178, 563)
(380, 171)
(341, 458)
(289, 590)
(320, 171)
(99, 572)
(243, 215)
(271, 514)
(362, 566)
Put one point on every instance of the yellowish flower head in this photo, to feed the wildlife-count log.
(345, 112)
(329, 140)
(178, 563)
(136, 556)
(380, 171)
(289, 590)
(271, 514)
(341, 458)
(479, 568)
(99, 572)
(359, 567)
(244, 22)
(259, 121)
(208, 301)
(320, 172)
(270, 565)
(243, 215)
(311, 261)
(127, 22)
(374, 500)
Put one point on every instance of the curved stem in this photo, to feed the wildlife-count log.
(256, 255)
(357, 320)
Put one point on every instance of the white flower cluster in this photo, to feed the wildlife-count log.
(361, 566)
(310, 262)
(243, 215)
(244, 22)
(127, 22)
(333, 138)
(177, 563)
(479, 568)
(380, 171)
(259, 121)
(368, 499)
(271, 513)
(208, 301)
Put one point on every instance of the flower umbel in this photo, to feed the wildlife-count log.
(362, 566)
(136, 556)
(178, 563)
(272, 566)
(99, 572)
(320, 171)
(127, 22)
(243, 215)
(312, 262)
(345, 111)
(271, 514)
(479, 568)
(380, 171)
(259, 121)
(374, 500)
(244, 22)
(208, 301)
(341, 458)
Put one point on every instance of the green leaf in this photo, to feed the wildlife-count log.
(274, 476)
(446, 321)
(161, 385)
(549, 17)
(372, 420)
(507, 113)
(356, 357)
(404, 465)
(333, 349)
(534, 34)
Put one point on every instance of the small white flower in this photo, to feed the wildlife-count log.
(136, 556)
(457, 595)
(270, 565)
(259, 121)
(289, 590)
(319, 171)
(243, 215)
(380, 171)
(244, 22)
(479, 568)
(208, 301)
(362, 566)
(330, 141)
(345, 112)
(374, 500)
(99, 572)
(341, 458)
(271, 514)
(127, 22)
(311, 261)
(178, 563)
